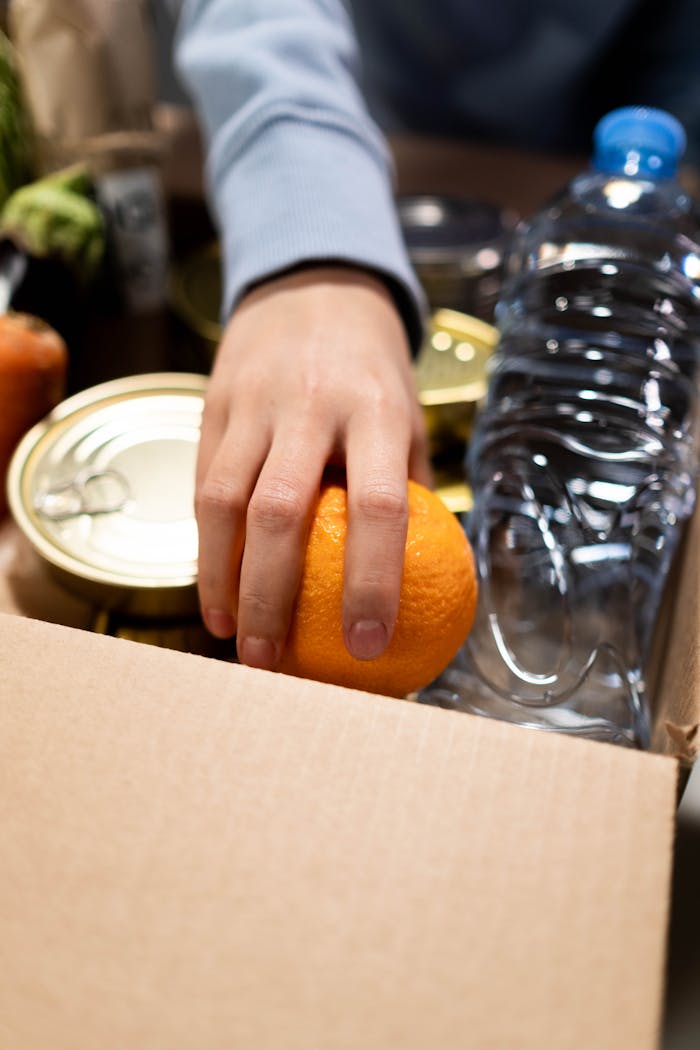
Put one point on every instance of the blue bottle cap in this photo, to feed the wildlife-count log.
(638, 141)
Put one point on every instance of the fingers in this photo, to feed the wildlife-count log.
(227, 468)
(377, 460)
(275, 544)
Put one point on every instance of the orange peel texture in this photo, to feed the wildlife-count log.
(436, 609)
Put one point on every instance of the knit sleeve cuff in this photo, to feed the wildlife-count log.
(304, 191)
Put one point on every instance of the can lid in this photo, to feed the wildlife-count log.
(452, 365)
(104, 486)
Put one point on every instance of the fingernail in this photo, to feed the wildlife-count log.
(221, 624)
(367, 639)
(258, 652)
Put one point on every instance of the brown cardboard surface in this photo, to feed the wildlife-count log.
(678, 686)
(200, 855)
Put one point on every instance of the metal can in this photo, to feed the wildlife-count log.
(195, 296)
(457, 247)
(103, 489)
(452, 376)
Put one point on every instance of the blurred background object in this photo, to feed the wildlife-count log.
(88, 72)
(87, 68)
(33, 365)
(16, 137)
(457, 246)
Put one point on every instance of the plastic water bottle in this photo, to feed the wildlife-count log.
(584, 458)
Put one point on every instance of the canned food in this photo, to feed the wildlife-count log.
(195, 294)
(457, 247)
(452, 376)
(103, 488)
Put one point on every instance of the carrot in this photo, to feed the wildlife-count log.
(33, 365)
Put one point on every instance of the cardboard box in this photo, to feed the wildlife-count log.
(196, 855)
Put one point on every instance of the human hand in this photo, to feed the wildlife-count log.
(313, 369)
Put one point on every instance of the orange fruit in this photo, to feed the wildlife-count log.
(436, 608)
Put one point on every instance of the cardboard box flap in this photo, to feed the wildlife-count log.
(195, 854)
(677, 687)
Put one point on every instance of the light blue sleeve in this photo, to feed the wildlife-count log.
(296, 169)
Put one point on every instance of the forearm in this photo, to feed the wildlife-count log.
(297, 170)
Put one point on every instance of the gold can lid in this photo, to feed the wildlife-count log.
(103, 487)
(195, 292)
(452, 365)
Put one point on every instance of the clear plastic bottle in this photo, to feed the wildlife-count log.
(584, 458)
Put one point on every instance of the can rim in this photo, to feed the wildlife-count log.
(28, 450)
(205, 327)
(493, 226)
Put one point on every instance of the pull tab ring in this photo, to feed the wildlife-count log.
(83, 495)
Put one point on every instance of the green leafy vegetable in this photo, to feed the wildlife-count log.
(55, 216)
